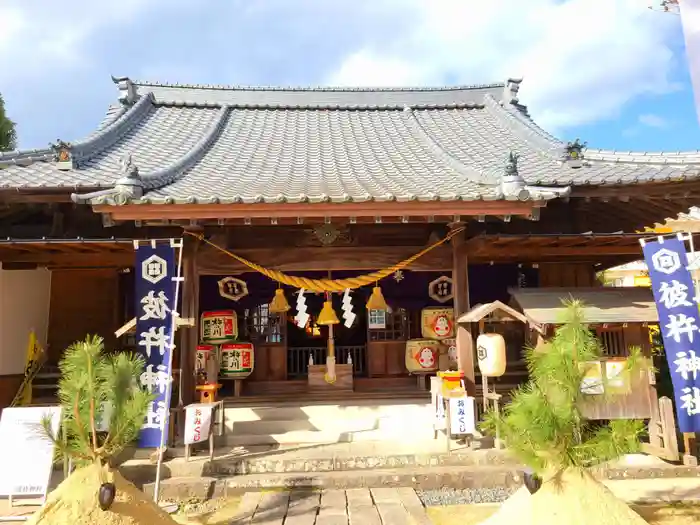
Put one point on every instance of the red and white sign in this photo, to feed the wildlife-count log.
(197, 422)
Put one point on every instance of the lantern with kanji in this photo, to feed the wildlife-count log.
(220, 326)
(237, 360)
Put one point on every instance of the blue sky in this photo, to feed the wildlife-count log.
(611, 72)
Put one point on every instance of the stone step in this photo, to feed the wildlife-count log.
(330, 424)
(425, 478)
(269, 464)
(421, 477)
(306, 459)
(297, 411)
(380, 432)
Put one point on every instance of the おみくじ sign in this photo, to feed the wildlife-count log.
(157, 276)
(197, 422)
(462, 415)
(675, 299)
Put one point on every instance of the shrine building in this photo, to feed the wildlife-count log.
(319, 183)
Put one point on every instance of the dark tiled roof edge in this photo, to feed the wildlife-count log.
(110, 132)
(235, 87)
(524, 126)
(318, 107)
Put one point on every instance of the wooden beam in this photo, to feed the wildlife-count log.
(333, 258)
(308, 210)
(190, 308)
(460, 286)
(537, 253)
(47, 258)
(40, 198)
(305, 221)
(212, 261)
(657, 189)
(130, 325)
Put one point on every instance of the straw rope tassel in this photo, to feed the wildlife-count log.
(328, 285)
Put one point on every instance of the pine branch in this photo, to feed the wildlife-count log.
(543, 425)
(89, 381)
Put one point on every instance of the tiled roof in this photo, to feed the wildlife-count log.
(237, 144)
(600, 305)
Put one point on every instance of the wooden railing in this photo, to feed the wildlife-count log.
(298, 359)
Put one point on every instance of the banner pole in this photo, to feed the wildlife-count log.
(689, 443)
(169, 386)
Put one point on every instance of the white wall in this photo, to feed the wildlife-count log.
(24, 305)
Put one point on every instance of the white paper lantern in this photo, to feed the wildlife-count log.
(491, 354)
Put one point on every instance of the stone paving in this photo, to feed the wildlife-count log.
(382, 506)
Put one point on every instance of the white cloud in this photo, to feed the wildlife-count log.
(652, 121)
(581, 60)
(12, 23)
(43, 34)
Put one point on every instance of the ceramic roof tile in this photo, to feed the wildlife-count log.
(217, 144)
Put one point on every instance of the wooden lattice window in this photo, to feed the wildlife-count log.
(388, 326)
(613, 341)
(261, 326)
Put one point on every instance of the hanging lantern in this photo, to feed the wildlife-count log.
(279, 304)
(327, 315)
(376, 300)
(491, 354)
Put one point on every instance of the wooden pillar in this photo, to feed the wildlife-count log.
(189, 337)
(460, 284)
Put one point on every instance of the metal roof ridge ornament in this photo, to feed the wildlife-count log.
(512, 184)
(129, 185)
(62, 155)
(573, 153)
(510, 91)
(128, 94)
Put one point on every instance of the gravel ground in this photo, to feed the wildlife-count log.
(448, 496)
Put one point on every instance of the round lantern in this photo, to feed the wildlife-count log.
(491, 354)
(237, 360)
(203, 355)
(220, 326)
(422, 355)
(438, 323)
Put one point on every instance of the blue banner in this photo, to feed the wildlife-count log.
(157, 274)
(674, 294)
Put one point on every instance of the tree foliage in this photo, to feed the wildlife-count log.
(94, 385)
(543, 425)
(8, 133)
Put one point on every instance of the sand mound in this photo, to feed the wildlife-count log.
(571, 498)
(74, 502)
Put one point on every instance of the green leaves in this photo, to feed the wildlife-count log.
(8, 132)
(92, 385)
(543, 424)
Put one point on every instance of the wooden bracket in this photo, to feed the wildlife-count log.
(130, 326)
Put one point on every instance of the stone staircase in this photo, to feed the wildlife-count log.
(45, 386)
(277, 420)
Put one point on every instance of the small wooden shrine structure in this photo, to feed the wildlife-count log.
(621, 318)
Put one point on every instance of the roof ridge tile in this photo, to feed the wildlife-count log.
(352, 89)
